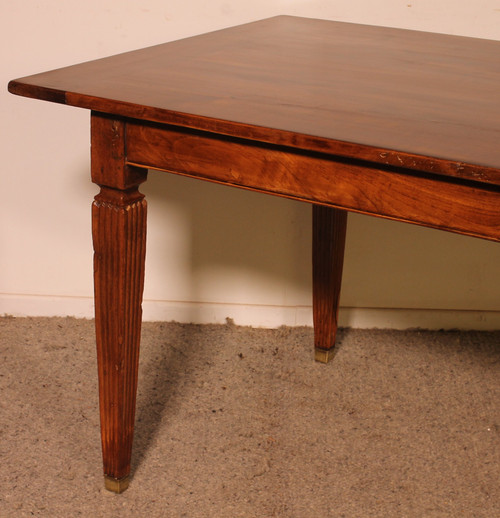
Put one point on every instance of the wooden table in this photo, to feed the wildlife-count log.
(398, 124)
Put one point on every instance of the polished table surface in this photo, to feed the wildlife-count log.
(405, 98)
(398, 124)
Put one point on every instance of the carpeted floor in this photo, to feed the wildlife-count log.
(240, 422)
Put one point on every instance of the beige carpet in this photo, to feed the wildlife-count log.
(240, 422)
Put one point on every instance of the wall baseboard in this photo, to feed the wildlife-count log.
(257, 315)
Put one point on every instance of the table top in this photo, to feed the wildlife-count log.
(415, 100)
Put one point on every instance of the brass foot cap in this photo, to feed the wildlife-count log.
(324, 355)
(117, 485)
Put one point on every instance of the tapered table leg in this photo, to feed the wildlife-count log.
(329, 231)
(119, 236)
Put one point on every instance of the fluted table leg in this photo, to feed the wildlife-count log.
(119, 237)
(329, 231)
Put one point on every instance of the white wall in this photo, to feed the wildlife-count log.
(212, 251)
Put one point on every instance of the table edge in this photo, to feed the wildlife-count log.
(383, 156)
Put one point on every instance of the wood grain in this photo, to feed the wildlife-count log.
(398, 124)
(329, 233)
(119, 237)
(393, 193)
(417, 100)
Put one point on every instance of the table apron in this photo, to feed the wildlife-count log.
(402, 195)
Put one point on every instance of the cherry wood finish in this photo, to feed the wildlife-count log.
(416, 100)
(397, 124)
(395, 193)
(329, 232)
(119, 236)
